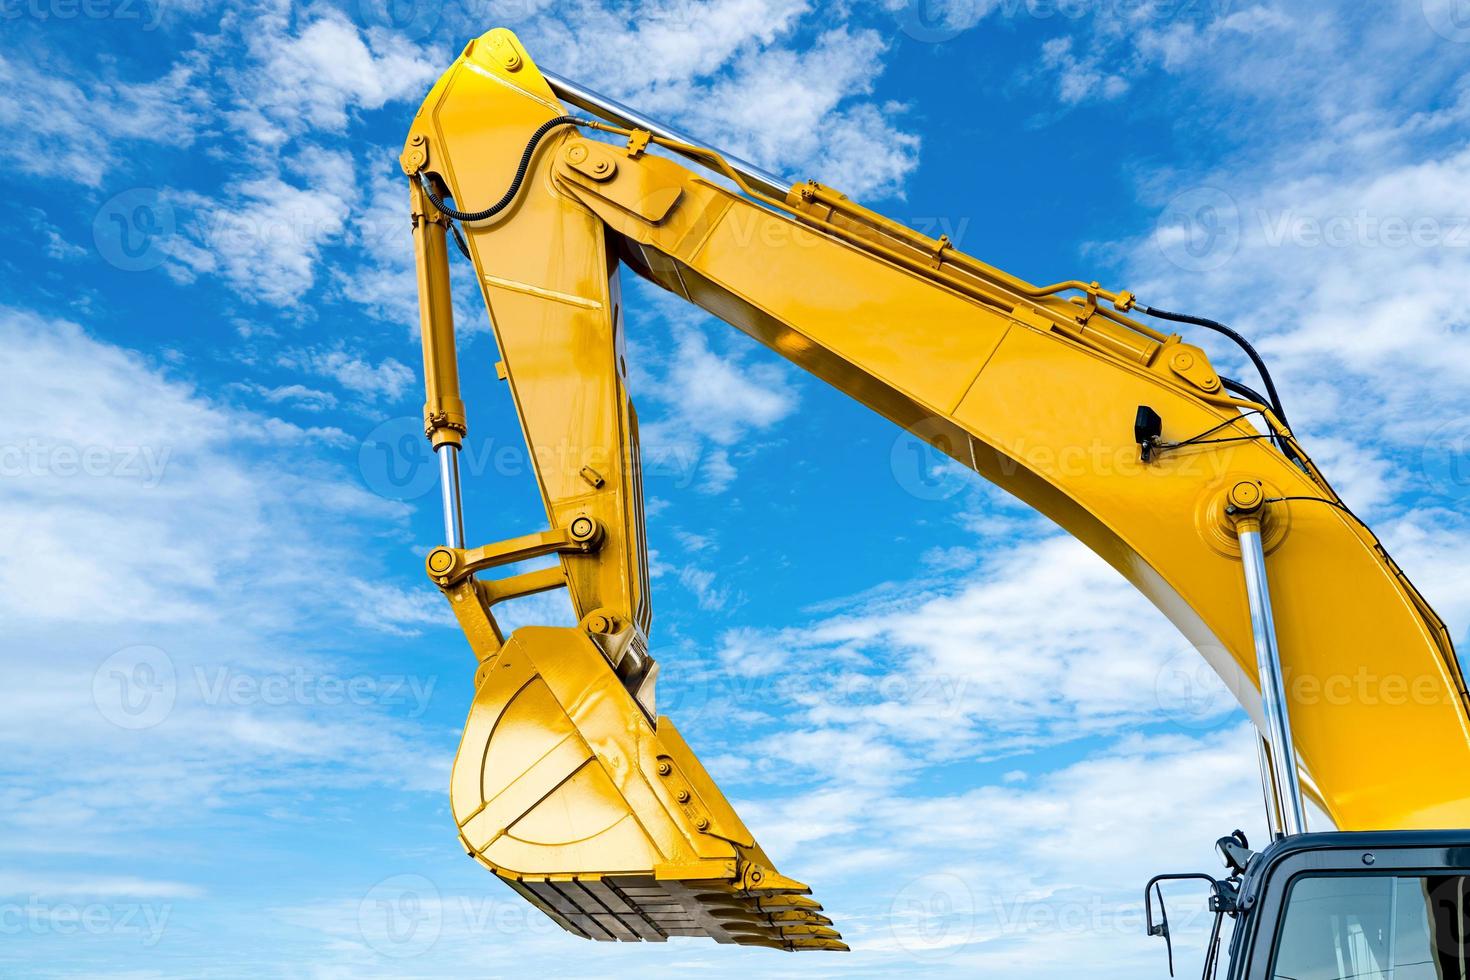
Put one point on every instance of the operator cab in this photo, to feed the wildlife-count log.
(1379, 905)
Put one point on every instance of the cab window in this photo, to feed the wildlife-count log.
(1375, 927)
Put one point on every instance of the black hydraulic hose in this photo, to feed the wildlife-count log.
(515, 184)
(1243, 390)
(465, 249)
(1273, 398)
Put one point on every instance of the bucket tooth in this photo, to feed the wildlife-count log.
(831, 944)
(809, 918)
(814, 932)
(602, 817)
(776, 903)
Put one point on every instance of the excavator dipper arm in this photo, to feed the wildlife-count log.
(568, 785)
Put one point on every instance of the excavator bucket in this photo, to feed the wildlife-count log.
(567, 789)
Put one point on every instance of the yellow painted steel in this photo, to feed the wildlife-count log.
(567, 784)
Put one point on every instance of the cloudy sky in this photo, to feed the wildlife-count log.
(232, 697)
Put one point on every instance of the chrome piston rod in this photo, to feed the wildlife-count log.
(449, 489)
(1288, 790)
(610, 110)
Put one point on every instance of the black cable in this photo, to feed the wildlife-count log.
(1214, 442)
(1200, 440)
(1273, 398)
(1323, 500)
(515, 184)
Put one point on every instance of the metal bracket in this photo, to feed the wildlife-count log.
(450, 566)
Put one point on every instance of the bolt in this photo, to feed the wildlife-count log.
(1369, 858)
(683, 796)
(702, 823)
(664, 768)
(602, 166)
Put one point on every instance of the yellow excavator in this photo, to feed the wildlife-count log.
(570, 786)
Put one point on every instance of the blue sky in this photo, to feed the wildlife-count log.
(232, 696)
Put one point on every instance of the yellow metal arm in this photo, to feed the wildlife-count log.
(1035, 388)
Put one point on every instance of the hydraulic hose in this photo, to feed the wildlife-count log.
(515, 184)
(1273, 398)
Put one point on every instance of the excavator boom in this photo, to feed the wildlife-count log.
(568, 784)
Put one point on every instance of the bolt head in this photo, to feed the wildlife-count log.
(1369, 858)
(683, 796)
(703, 824)
(664, 768)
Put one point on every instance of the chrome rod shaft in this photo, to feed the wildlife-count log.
(449, 490)
(1268, 787)
(613, 111)
(1273, 686)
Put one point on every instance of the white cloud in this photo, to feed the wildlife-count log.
(388, 379)
(1019, 877)
(709, 405)
(143, 516)
(56, 246)
(93, 886)
(81, 131)
(264, 235)
(743, 75)
(312, 80)
(987, 664)
(701, 582)
(299, 396)
(1080, 79)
